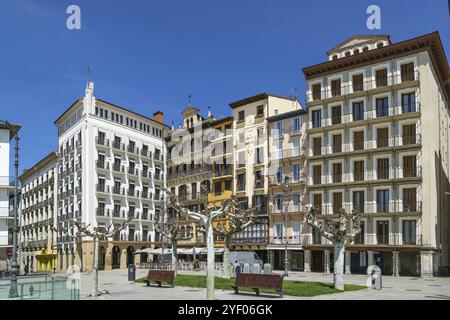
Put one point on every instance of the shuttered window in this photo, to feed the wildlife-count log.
(337, 143)
(317, 146)
(383, 168)
(359, 170)
(382, 137)
(358, 140)
(336, 88)
(409, 166)
(409, 134)
(358, 83)
(337, 172)
(381, 78)
(407, 72)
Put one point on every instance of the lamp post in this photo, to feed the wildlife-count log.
(286, 195)
(14, 265)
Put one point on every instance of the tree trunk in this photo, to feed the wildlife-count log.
(95, 268)
(339, 250)
(210, 270)
(174, 256)
(226, 257)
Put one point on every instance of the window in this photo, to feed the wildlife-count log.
(260, 111)
(409, 200)
(383, 168)
(382, 137)
(383, 201)
(241, 115)
(279, 128)
(218, 188)
(409, 232)
(383, 232)
(358, 111)
(409, 166)
(101, 138)
(356, 51)
(381, 78)
(317, 91)
(317, 202)
(241, 182)
(409, 134)
(337, 202)
(296, 125)
(336, 115)
(259, 155)
(228, 185)
(359, 170)
(241, 159)
(409, 102)
(358, 140)
(358, 201)
(337, 172)
(295, 172)
(366, 49)
(317, 174)
(407, 72)
(317, 238)
(382, 105)
(359, 239)
(337, 143)
(336, 88)
(317, 146)
(316, 118)
(259, 179)
(358, 82)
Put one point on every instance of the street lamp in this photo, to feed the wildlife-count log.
(14, 265)
(286, 195)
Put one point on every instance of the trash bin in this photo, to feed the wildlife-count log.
(131, 272)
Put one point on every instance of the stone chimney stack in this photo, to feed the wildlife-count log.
(158, 116)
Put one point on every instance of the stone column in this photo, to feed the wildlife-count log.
(326, 253)
(370, 260)
(395, 263)
(307, 261)
(426, 264)
(348, 262)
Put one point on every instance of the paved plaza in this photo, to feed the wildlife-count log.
(115, 285)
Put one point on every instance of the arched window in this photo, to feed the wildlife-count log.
(366, 49)
(380, 45)
(347, 53)
(356, 51)
(334, 57)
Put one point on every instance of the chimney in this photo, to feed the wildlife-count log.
(158, 116)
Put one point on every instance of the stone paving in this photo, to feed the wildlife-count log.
(115, 285)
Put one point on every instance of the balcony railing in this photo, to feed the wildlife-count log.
(288, 153)
(190, 172)
(368, 84)
(392, 206)
(372, 144)
(102, 142)
(118, 145)
(303, 239)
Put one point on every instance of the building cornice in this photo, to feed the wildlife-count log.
(429, 42)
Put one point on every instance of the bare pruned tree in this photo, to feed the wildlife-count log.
(338, 232)
(236, 220)
(96, 233)
(205, 216)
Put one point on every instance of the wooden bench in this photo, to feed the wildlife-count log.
(259, 281)
(160, 276)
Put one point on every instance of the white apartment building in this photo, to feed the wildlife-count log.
(38, 247)
(6, 219)
(111, 166)
(251, 167)
(379, 143)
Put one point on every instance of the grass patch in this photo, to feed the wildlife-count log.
(290, 288)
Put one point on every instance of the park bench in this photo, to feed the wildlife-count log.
(259, 281)
(160, 276)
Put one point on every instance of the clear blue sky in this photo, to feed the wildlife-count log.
(150, 55)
